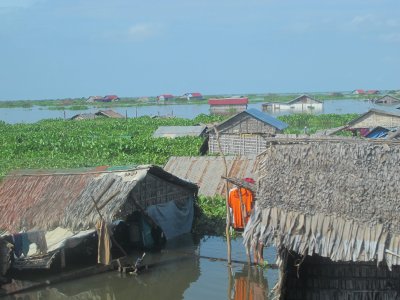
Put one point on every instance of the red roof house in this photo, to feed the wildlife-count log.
(165, 97)
(228, 105)
(359, 92)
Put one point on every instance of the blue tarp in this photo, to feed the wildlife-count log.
(173, 220)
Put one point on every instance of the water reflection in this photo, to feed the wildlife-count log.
(248, 284)
(178, 273)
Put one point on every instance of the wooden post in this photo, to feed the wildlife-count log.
(228, 215)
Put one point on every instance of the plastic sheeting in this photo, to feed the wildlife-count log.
(173, 220)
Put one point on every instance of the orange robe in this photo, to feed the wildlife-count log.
(238, 210)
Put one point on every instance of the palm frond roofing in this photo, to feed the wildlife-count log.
(338, 198)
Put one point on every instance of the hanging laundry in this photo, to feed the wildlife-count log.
(104, 244)
(241, 206)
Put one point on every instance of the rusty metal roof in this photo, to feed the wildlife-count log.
(206, 171)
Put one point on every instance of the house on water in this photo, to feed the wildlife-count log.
(228, 106)
(244, 133)
(303, 103)
(193, 96)
(50, 217)
(101, 113)
(331, 208)
(387, 100)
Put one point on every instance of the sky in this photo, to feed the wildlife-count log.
(54, 49)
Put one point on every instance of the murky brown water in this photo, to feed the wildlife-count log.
(179, 272)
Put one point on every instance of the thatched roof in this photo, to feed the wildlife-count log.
(40, 200)
(338, 198)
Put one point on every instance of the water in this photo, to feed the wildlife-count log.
(34, 114)
(179, 273)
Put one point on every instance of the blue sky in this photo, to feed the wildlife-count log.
(76, 48)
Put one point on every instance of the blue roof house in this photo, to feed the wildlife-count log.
(244, 132)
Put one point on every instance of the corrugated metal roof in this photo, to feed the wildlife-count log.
(206, 171)
(176, 131)
(266, 118)
(44, 200)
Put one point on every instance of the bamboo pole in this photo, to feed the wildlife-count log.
(228, 215)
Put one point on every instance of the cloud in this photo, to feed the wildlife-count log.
(393, 37)
(143, 31)
(362, 20)
(135, 33)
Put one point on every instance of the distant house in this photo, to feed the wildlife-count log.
(387, 99)
(165, 97)
(94, 98)
(109, 114)
(358, 92)
(101, 113)
(228, 105)
(372, 92)
(86, 116)
(110, 98)
(194, 96)
(179, 131)
(245, 133)
(300, 104)
(374, 118)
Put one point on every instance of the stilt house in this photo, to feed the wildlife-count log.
(331, 207)
(244, 133)
(302, 103)
(57, 211)
(228, 106)
(388, 100)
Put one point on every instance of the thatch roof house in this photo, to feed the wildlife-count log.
(331, 207)
(388, 100)
(63, 202)
(374, 118)
(244, 133)
(207, 171)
